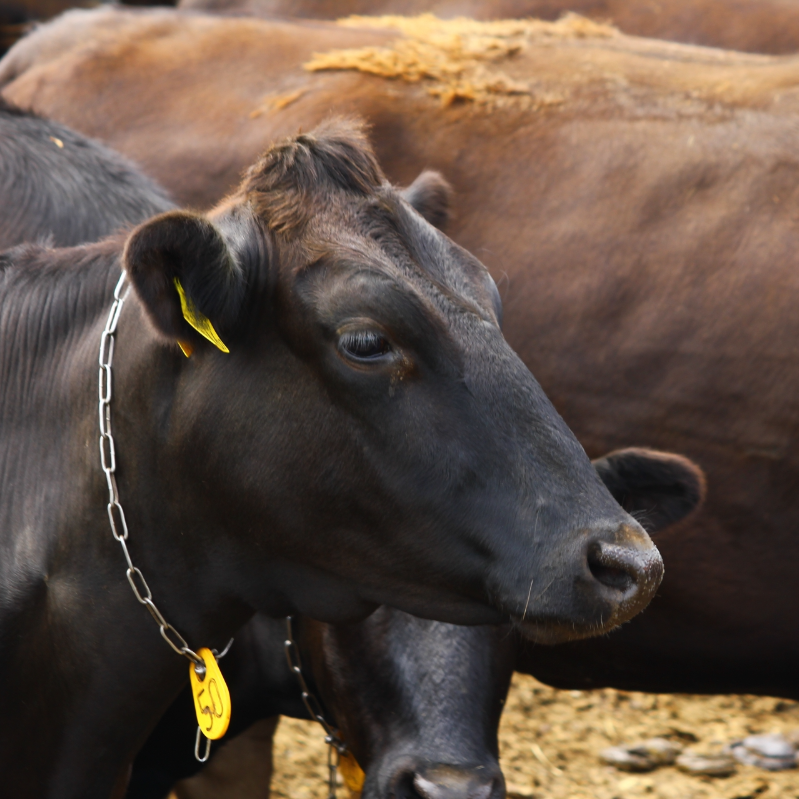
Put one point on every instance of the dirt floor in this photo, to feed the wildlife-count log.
(550, 741)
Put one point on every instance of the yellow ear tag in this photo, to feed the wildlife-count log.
(352, 773)
(211, 697)
(202, 324)
(185, 348)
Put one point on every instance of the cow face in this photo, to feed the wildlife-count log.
(371, 437)
(418, 702)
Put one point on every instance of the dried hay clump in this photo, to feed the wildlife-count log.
(457, 57)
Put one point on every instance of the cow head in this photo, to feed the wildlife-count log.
(371, 437)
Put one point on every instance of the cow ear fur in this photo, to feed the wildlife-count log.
(187, 247)
(658, 488)
(430, 196)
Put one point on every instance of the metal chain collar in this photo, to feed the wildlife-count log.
(116, 516)
(108, 461)
(336, 747)
(119, 529)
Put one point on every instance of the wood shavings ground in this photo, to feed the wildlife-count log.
(550, 742)
(457, 59)
(549, 748)
(572, 727)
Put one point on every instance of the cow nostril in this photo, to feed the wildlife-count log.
(613, 566)
(465, 785)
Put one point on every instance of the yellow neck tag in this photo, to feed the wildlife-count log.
(351, 772)
(211, 697)
(202, 324)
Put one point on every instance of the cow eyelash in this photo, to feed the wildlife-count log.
(364, 345)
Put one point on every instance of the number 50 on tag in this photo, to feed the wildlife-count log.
(211, 697)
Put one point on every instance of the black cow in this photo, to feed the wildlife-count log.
(58, 186)
(417, 701)
(370, 437)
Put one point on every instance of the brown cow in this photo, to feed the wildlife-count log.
(17, 17)
(755, 26)
(638, 210)
(22, 11)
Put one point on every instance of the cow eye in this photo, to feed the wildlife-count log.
(364, 345)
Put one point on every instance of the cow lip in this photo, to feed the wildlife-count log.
(617, 581)
(613, 611)
(618, 610)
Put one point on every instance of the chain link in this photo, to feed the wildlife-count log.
(108, 462)
(336, 747)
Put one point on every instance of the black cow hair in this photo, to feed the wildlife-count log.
(61, 188)
(295, 176)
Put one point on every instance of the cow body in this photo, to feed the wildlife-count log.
(755, 26)
(231, 462)
(63, 188)
(638, 218)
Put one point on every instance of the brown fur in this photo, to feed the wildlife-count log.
(756, 26)
(164, 125)
(295, 177)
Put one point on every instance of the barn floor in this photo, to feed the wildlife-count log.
(550, 740)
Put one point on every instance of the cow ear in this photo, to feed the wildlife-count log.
(185, 275)
(658, 488)
(430, 196)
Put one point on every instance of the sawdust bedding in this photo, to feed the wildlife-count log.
(457, 58)
(549, 741)
(533, 64)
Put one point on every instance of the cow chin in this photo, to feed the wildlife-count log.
(616, 613)
(551, 634)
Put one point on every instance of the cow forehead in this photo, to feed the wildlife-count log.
(383, 235)
(324, 190)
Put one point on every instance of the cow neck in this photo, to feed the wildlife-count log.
(201, 664)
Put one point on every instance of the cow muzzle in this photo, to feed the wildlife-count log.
(618, 572)
(627, 571)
